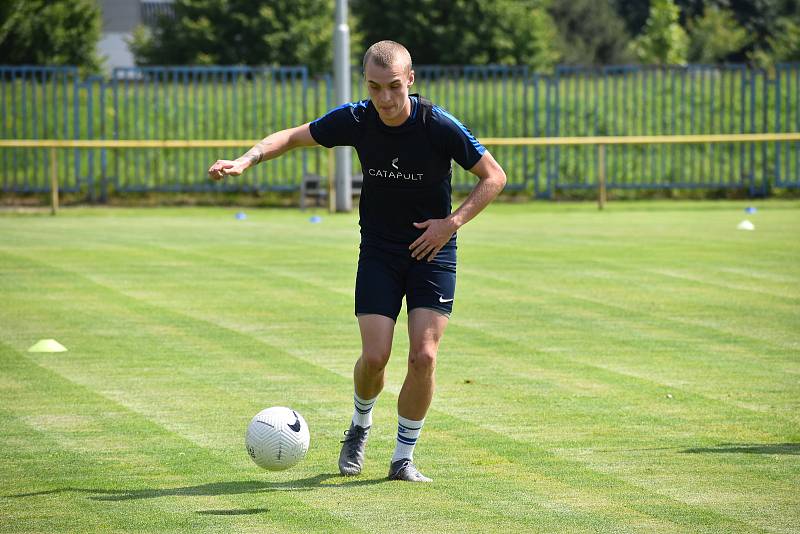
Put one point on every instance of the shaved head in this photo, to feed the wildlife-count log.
(386, 53)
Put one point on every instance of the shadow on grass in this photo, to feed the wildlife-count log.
(749, 448)
(246, 511)
(213, 488)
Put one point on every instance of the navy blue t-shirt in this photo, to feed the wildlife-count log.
(407, 168)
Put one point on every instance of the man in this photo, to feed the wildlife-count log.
(408, 242)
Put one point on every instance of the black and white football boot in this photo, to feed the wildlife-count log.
(351, 459)
(404, 469)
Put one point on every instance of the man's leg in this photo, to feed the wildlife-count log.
(376, 346)
(425, 330)
(368, 379)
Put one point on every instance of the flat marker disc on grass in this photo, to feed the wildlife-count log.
(47, 345)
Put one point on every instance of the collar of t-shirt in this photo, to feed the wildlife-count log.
(411, 118)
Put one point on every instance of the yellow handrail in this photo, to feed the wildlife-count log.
(600, 141)
(491, 141)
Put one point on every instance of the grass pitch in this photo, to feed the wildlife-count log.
(631, 370)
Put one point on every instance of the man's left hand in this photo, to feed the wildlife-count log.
(437, 233)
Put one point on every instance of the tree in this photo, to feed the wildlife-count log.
(764, 21)
(663, 41)
(785, 44)
(634, 13)
(459, 32)
(715, 36)
(240, 32)
(762, 17)
(590, 33)
(50, 32)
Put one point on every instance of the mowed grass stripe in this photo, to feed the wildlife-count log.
(663, 235)
(625, 397)
(36, 465)
(604, 426)
(699, 280)
(104, 459)
(242, 268)
(259, 269)
(639, 313)
(454, 510)
(638, 491)
(282, 332)
(36, 498)
(648, 338)
(575, 323)
(167, 350)
(187, 407)
(676, 303)
(629, 429)
(458, 492)
(652, 346)
(574, 518)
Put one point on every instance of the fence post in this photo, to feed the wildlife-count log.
(765, 177)
(103, 151)
(76, 123)
(548, 132)
(89, 85)
(53, 182)
(601, 176)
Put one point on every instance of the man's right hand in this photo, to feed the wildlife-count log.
(225, 167)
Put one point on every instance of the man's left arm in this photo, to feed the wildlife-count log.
(491, 180)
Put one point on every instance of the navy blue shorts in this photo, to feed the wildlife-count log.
(387, 273)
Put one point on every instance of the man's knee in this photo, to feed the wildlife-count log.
(422, 360)
(375, 361)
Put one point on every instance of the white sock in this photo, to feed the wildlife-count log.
(362, 414)
(407, 433)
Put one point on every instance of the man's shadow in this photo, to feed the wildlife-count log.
(748, 448)
(211, 489)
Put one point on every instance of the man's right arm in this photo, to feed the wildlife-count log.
(268, 148)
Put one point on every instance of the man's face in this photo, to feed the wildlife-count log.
(388, 90)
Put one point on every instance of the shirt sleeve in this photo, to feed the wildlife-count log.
(339, 127)
(455, 139)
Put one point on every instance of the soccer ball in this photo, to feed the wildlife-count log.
(277, 438)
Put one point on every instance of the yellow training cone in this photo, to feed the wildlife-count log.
(48, 345)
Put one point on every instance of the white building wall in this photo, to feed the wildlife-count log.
(120, 17)
(113, 48)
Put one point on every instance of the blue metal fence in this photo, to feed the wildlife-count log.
(37, 103)
(787, 119)
(494, 101)
(655, 101)
(205, 103)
